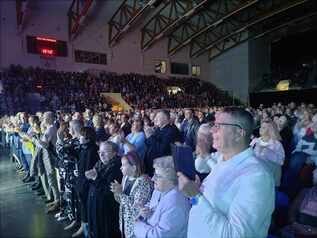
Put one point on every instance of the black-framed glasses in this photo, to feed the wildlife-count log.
(218, 125)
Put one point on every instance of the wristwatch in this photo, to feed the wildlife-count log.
(194, 200)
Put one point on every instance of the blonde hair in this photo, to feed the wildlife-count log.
(97, 121)
(274, 133)
(205, 131)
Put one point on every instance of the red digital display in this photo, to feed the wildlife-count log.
(46, 46)
(45, 39)
(48, 52)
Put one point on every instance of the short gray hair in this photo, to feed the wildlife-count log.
(109, 144)
(243, 118)
(166, 164)
(76, 125)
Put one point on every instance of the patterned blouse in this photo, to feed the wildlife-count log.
(130, 205)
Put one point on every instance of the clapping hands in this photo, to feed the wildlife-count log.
(188, 187)
(91, 174)
(116, 187)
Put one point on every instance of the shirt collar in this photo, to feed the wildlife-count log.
(162, 194)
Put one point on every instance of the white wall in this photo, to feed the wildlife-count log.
(230, 71)
(49, 18)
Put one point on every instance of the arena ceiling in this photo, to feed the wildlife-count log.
(205, 26)
(209, 26)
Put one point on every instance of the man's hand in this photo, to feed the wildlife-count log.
(188, 187)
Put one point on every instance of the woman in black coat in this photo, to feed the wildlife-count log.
(103, 210)
(88, 157)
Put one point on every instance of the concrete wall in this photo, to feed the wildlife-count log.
(49, 18)
(260, 61)
(230, 71)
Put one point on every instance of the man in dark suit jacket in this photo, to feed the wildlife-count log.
(125, 125)
(158, 140)
(191, 128)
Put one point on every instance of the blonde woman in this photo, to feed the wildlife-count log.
(269, 148)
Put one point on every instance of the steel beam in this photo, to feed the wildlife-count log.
(249, 17)
(129, 12)
(76, 14)
(222, 47)
(171, 15)
(216, 12)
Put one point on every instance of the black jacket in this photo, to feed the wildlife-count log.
(157, 145)
(103, 210)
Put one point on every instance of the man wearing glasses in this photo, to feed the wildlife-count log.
(237, 197)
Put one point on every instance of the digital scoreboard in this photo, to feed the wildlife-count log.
(46, 46)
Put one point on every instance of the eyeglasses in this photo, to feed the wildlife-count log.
(218, 125)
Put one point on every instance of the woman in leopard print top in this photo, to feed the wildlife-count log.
(135, 191)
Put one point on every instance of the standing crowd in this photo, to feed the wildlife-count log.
(112, 174)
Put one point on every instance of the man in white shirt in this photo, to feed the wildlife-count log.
(237, 197)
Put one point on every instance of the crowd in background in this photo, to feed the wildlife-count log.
(298, 76)
(74, 91)
(111, 174)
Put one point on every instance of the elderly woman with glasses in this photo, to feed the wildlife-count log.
(103, 210)
(135, 191)
(166, 215)
(269, 148)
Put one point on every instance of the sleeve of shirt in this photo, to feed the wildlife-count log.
(139, 142)
(249, 212)
(166, 227)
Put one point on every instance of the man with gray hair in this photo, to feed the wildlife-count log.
(167, 213)
(237, 197)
